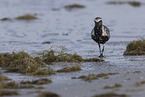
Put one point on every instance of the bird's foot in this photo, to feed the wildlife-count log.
(101, 55)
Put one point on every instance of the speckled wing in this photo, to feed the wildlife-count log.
(94, 35)
(106, 32)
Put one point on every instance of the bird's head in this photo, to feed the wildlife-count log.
(98, 21)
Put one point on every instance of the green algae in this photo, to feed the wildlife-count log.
(3, 78)
(135, 3)
(22, 17)
(91, 77)
(37, 82)
(52, 56)
(115, 2)
(5, 19)
(136, 47)
(111, 95)
(132, 3)
(47, 71)
(21, 62)
(75, 67)
(135, 90)
(10, 85)
(136, 72)
(7, 93)
(5, 59)
(39, 61)
(61, 56)
(26, 17)
(55, 9)
(82, 77)
(93, 60)
(25, 66)
(138, 84)
(48, 94)
(14, 85)
(113, 87)
(46, 42)
(72, 6)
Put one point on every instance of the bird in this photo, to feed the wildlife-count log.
(100, 34)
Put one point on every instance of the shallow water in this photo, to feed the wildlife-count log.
(72, 29)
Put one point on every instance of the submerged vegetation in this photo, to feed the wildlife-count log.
(138, 84)
(91, 77)
(52, 56)
(132, 3)
(111, 95)
(46, 42)
(75, 67)
(26, 17)
(37, 82)
(5, 19)
(61, 56)
(7, 93)
(72, 6)
(113, 87)
(23, 85)
(22, 17)
(21, 62)
(136, 47)
(10, 85)
(3, 78)
(47, 71)
(93, 60)
(14, 85)
(48, 94)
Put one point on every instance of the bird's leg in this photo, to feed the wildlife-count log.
(100, 50)
(103, 50)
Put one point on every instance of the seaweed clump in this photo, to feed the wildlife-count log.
(75, 67)
(10, 85)
(37, 82)
(48, 94)
(14, 85)
(61, 56)
(111, 95)
(114, 86)
(132, 3)
(91, 77)
(5, 19)
(93, 60)
(26, 17)
(135, 3)
(47, 42)
(3, 78)
(72, 6)
(47, 71)
(7, 93)
(138, 84)
(22, 62)
(52, 56)
(136, 48)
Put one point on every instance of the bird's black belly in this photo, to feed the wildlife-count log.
(100, 39)
(103, 39)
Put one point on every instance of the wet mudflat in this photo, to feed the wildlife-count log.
(69, 24)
